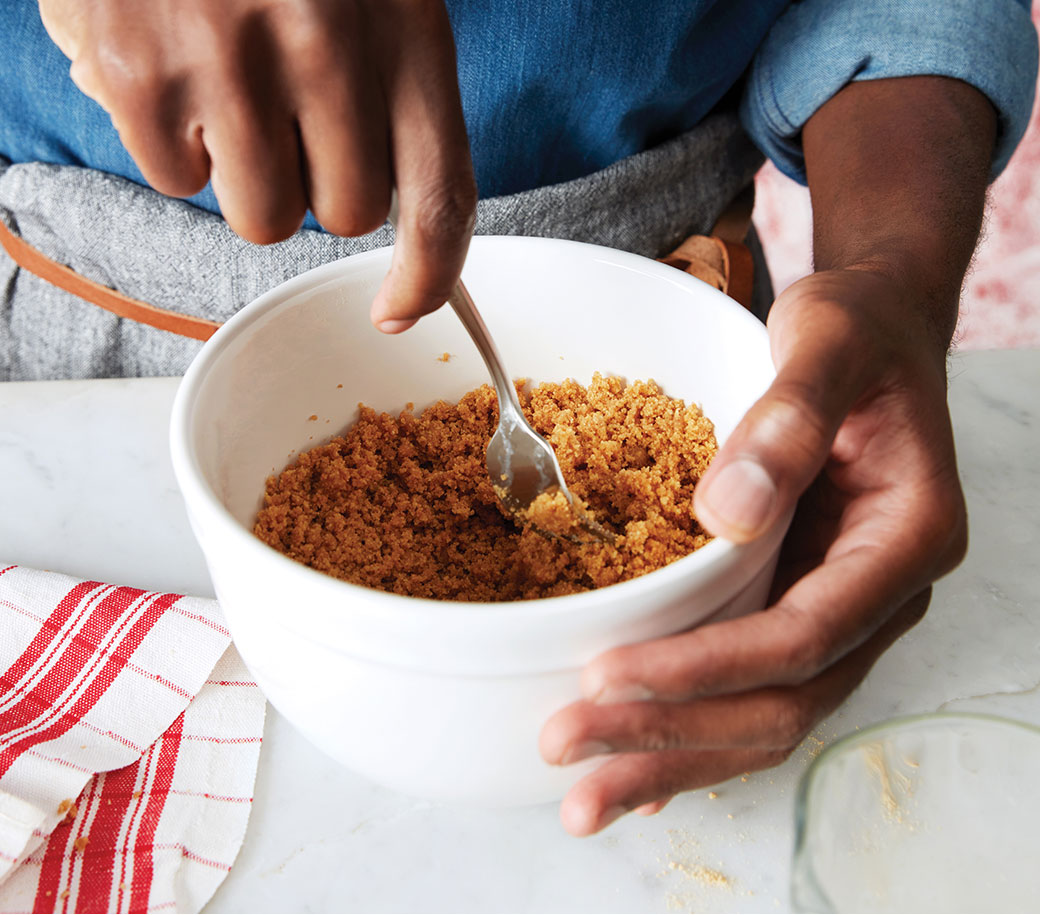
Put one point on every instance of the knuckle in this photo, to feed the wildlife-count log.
(949, 527)
(128, 74)
(808, 647)
(446, 213)
(792, 717)
(664, 734)
(314, 40)
(351, 218)
(796, 420)
(939, 526)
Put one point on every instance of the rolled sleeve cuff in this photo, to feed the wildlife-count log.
(818, 46)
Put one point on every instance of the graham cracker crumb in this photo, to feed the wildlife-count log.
(693, 876)
(814, 745)
(444, 357)
(876, 763)
(81, 843)
(404, 504)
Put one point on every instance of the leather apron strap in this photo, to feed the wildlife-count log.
(29, 258)
(721, 259)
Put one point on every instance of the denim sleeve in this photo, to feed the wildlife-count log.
(818, 46)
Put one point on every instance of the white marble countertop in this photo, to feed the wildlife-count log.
(86, 488)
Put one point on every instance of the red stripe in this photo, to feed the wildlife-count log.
(54, 857)
(112, 735)
(57, 760)
(105, 732)
(140, 802)
(191, 856)
(206, 621)
(209, 862)
(117, 792)
(81, 829)
(46, 635)
(118, 655)
(59, 664)
(229, 798)
(141, 887)
(169, 684)
(36, 617)
(8, 569)
(203, 738)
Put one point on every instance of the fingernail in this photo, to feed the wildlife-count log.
(394, 325)
(584, 750)
(742, 496)
(628, 692)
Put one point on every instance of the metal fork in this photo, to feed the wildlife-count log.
(522, 465)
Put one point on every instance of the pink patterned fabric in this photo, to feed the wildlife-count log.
(129, 738)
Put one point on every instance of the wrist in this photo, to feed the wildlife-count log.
(897, 169)
(913, 293)
(862, 321)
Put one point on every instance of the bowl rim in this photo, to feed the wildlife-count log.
(710, 560)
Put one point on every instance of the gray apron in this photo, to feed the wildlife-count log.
(175, 256)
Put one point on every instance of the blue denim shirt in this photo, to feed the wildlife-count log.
(818, 46)
(557, 89)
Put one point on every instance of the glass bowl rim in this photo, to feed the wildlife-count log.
(806, 783)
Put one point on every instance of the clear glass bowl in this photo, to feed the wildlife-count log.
(935, 813)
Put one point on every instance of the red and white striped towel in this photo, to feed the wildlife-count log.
(129, 738)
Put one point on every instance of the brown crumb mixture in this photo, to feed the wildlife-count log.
(405, 505)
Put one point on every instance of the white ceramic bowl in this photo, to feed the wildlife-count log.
(440, 699)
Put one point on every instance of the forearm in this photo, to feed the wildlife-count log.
(897, 169)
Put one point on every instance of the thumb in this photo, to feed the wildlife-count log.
(783, 441)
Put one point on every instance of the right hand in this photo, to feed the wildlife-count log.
(287, 105)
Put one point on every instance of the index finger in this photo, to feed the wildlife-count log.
(432, 167)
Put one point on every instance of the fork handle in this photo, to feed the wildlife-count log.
(462, 302)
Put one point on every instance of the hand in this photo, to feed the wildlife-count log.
(288, 105)
(856, 426)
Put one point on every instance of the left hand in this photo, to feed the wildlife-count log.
(856, 430)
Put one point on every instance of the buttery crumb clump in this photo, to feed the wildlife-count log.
(552, 513)
(406, 505)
